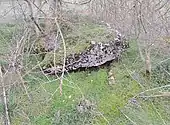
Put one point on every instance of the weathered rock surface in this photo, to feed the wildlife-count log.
(97, 54)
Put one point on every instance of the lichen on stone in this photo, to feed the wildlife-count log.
(97, 54)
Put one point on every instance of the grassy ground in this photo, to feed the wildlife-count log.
(6, 31)
(117, 104)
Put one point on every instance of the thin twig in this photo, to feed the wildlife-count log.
(22, 81)
(163, 94)
(134, 123)
(153, 89)
(158, 113)
(7, 119)
(64, 59)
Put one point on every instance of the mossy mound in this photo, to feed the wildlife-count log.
(77, 40)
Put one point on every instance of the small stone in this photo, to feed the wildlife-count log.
(85, 105)
(111, 78)
(93, 42)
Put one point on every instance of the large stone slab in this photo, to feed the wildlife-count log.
(97, 54)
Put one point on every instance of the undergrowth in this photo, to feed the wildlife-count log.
(131, 100)
(6, 33)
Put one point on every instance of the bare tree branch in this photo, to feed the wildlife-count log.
(32, 16)
(64, 58)
(7, 119)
